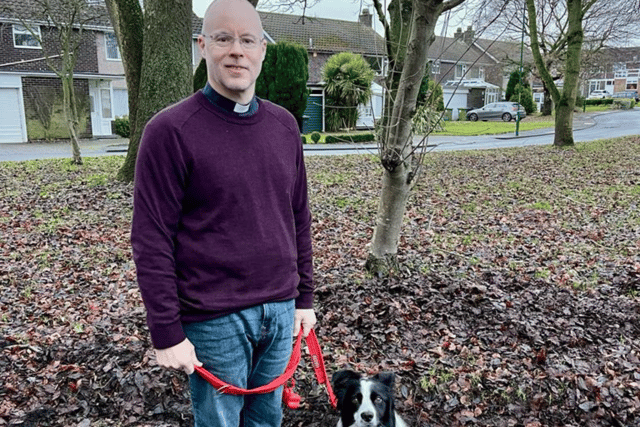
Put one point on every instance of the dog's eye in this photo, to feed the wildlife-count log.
(357, 398)
(378, 401)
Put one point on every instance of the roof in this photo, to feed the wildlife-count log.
(448, 49)
(322, 34)
(29, 10)
(505, 51)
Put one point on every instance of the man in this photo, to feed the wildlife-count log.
(221, 228)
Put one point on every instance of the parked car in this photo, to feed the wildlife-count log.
(506, 111)
(627, 94)
(599, 94)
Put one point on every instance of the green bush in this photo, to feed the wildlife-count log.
(357, 137)
(605, 101)
(348, 78)
(284, 76)
(315, 137)
(304, 139)
(200, 76)
(524, 96)
(121, 126)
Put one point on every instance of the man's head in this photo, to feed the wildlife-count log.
(233, 46)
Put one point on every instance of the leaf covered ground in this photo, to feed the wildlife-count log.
(517, 302)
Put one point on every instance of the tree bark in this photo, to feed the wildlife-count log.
(156, 50)
(128, 24)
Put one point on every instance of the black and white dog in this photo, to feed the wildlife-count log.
(365, 402)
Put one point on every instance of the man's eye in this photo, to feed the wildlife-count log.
(248, 42)
(223, 39)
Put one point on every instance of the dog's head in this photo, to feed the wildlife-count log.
(364, 402)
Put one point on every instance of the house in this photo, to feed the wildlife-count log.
(472, 71)
(615, 69)
(30, 92)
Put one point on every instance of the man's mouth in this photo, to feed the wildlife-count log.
(235, 68)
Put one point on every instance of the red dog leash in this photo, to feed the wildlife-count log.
(289, 397)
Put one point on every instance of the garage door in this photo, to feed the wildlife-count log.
(11, 117)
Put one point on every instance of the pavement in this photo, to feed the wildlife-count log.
(118, 146)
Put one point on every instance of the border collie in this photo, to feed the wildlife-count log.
(365, 402)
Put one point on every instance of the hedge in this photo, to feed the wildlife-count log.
(358, 137)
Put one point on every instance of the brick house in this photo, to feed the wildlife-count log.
(30, 92)
(614, 69)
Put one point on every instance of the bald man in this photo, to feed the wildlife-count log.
(221, 228)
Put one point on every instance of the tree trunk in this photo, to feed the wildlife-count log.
(128, 23)
(161, 56)
(564, 101)
(396, 138)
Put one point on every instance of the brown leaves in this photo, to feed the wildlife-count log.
(516, 302)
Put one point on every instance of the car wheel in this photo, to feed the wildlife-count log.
(506, 117)
(473, 117)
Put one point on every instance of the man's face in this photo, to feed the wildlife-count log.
(232, 64)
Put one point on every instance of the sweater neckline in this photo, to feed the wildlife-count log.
(232, 117)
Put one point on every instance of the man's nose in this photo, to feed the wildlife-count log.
(236, 47)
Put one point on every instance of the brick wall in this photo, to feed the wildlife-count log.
(48, 90)
(87, 51)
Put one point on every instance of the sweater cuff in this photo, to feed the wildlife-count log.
(304, 301)
(167, 336)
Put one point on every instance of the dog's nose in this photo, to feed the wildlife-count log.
(367, 416)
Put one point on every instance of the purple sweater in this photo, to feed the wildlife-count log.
(220, 215)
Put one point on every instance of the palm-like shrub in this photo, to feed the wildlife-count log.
(348, 80)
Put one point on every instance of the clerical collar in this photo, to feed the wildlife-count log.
(241, 110)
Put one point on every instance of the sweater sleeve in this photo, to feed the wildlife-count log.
(303, 234)
(159, 183)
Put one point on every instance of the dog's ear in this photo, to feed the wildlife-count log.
(340, 381)
(386, 378)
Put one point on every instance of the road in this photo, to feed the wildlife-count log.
(587, 127)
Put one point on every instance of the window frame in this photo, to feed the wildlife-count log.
(25, 30)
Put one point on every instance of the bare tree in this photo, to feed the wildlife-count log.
(605, 23)
(64, 23)
(409, 33)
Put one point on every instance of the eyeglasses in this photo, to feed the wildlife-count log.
(225, 41)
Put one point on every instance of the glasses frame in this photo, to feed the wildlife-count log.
(217, 44)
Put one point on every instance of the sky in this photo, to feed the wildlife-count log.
(346, 10)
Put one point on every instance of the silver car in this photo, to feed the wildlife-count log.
(505, 111)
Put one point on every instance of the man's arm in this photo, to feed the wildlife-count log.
(157, 202)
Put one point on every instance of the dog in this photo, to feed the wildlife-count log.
(365, 402)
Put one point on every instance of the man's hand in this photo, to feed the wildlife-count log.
(181, 356)
(305, 318)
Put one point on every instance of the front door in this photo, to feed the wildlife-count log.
(101, 107)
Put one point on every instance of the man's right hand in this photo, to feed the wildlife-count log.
(181, 356)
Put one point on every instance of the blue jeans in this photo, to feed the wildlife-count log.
(247, 349)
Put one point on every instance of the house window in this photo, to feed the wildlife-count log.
(26, 37)
(481, 73)
(105, 99)
(461, 70)
(111, 43)
(434, 66)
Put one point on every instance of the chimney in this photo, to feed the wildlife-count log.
(458, 34)
(366, 18)
(469, 35)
